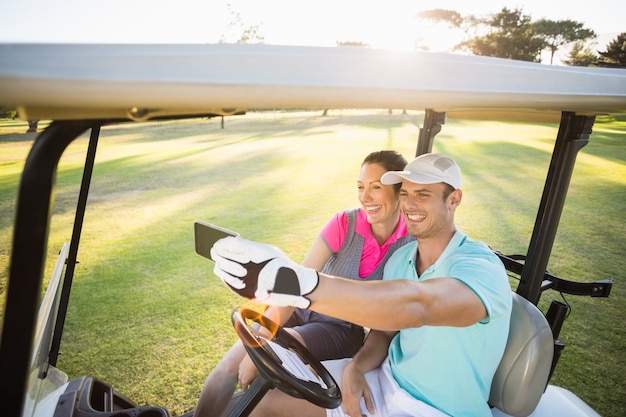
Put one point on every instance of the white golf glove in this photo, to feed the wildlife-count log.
(263, 273)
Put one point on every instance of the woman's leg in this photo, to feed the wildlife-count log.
(221, 384)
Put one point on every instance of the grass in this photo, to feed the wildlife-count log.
(148, 316)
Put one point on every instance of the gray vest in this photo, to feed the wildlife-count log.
(345, 263)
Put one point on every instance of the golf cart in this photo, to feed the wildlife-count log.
(84, 87)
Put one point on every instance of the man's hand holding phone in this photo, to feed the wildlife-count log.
(263, 273)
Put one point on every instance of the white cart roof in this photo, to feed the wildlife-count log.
(75, 81)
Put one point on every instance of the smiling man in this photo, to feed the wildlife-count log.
(444, 308)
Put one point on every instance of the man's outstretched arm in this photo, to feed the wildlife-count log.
(266, 275)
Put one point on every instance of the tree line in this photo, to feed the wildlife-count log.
(512, 34)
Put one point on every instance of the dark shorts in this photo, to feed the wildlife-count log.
(326, 337)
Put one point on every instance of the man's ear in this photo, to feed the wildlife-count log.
(455, 198)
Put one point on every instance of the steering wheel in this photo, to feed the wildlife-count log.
(266, 356)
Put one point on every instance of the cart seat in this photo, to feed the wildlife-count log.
(522, 376)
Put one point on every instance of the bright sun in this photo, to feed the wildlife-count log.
(381, 27)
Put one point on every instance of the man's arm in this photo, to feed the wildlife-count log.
(266, 275)
(398, 304)
(374, 350)
(370, 356)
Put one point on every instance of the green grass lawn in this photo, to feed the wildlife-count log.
(148, 316)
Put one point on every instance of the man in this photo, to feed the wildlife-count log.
(439, 319)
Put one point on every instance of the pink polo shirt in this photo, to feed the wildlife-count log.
(334, 234)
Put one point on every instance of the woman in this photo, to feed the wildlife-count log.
(355, 243)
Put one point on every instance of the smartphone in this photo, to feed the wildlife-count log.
(206, 234)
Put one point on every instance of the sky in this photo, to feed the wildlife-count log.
(380, 24)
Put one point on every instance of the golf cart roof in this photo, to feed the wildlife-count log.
(140, 82)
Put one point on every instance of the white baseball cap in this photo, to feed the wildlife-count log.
(429, 168)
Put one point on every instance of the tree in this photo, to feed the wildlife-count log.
(433, 21)
(615, 54)
(352, 43)
(509, 34)
(580, 56)
(559, 33)
(8, 112)
(237, 32)
(450, 17)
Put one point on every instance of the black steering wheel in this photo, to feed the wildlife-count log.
(268, 360)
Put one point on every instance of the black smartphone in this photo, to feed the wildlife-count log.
(206, 234)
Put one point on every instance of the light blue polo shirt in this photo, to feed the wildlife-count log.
(451, 368)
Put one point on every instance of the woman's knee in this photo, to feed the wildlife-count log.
(230, 362)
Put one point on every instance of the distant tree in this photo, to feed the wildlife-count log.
(8, 112)
(560, 33)
(237, 32)
(580, 56)
(431, 21)
(615, 54)
(32, 126)
(509, 34)
(449, 17)
(352, 43)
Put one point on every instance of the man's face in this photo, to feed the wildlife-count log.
(425, 210)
